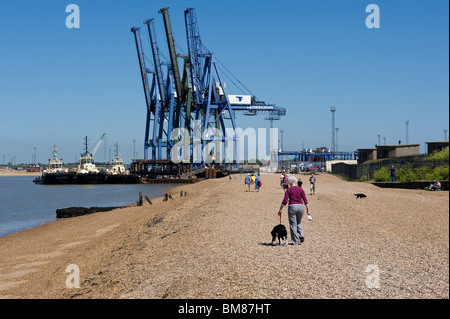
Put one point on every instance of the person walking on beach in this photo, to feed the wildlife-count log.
(247, 182)
(281, 179)
(392, 173)
(253, 178)
(285, 182)
(296, 198)
(312, 185)
(257, 183)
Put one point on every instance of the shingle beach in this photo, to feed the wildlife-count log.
(215, 243)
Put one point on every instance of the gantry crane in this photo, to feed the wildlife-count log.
(198, 102)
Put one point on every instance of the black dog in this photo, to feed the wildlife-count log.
(360, 195)
(280, 232)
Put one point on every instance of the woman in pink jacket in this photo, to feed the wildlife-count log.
(296, 198)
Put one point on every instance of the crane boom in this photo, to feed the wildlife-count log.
(172, 52)
(194, 44)
(147, 92)
(155, 52)
(97, 145)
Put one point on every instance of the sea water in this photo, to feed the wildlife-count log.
(24, 204)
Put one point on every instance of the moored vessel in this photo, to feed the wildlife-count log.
(86, 172)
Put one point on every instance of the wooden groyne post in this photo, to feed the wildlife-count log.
(166, 197)
(148, 200)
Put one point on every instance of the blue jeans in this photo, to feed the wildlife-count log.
(392, 178)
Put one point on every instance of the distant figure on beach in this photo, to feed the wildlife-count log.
(257, 183)
(247, 182)
(312, 185)
(296, 198)
(392, 173)
(436, 186)
(285, 180)
(281, 179)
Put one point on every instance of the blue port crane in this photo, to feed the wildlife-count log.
(211, 101)
(197, 102)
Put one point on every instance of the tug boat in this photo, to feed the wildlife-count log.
(86, 172)
(117, 167)
(117, 173)
(55, 165)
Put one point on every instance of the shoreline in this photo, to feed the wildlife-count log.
(207, 245)
(44, 253)
(133, 204)
(19, 174)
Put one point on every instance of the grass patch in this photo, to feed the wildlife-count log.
(438, 155)
(412, 172)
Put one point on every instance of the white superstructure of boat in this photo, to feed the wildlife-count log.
(55, 165)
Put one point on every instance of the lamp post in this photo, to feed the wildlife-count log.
(407, 133)
(333, 138)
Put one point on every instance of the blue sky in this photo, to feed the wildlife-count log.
(58, 84)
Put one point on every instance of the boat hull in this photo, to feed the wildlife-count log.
(89, 178)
